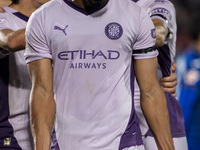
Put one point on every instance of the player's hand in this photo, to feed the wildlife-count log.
(169, 83)
(2, 10)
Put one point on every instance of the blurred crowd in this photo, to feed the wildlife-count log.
(185, 10)
(188, 67)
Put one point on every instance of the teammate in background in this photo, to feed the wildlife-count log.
(15, 83)
(5, 3)
(189, 74)
(80, 53)
(162, 13)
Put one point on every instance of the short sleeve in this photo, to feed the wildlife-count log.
(143, 47)
(36, 41)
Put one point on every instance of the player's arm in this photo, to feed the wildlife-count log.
(12, 41)
(169, 83)
(161, 31)
(42, 104)
(153, 102)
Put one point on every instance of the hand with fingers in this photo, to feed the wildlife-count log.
(169, 83)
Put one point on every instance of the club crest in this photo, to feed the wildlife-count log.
(113, 31)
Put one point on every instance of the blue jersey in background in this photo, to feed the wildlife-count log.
(188, 73)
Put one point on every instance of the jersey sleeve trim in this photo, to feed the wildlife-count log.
(147, 55)
(169, 26)
(140, 51)
(159, 16)
(29, 57)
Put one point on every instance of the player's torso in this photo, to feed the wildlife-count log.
(92, 55)
(16, 83)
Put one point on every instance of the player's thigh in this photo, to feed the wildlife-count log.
(179, 143)
(141, 147)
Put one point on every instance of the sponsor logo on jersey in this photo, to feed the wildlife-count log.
(88, 55)
(161, 11)
(87, 66)
(113, 31)
(153, 33)
(59, 28)
(7, 141)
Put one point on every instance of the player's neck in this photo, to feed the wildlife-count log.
(26, 7)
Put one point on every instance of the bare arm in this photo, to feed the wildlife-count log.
(161, 31)
(153, 102)
(12, 41)
(42, 105)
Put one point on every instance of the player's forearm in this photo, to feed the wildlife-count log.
(12, 41)
(156, 113)
(42, 117)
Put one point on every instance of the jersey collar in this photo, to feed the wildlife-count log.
(16, 13)
(21, 16)
(71, 4)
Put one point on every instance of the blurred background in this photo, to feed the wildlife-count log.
(185, 10)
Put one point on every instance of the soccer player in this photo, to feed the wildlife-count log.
(15, 83)
(189, 72)
(162, 13)
(79, 55)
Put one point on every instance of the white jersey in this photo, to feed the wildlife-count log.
(91, 56)
(15, 88)
(163, 9)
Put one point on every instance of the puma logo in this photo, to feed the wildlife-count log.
(59, 28)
